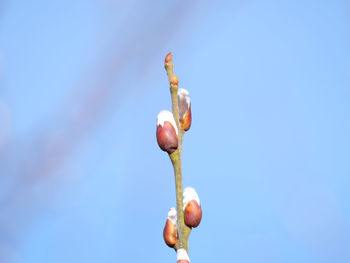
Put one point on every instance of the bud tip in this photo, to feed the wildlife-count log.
(168, 58)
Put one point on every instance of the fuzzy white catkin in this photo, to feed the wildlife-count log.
(182, 255)
(188, 195)
(184, 101)
(172, 215)
(164, 116)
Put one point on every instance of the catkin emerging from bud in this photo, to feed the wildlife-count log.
(182, 256)
(170, 234)
(185, 116)
(192, 208)
(167, 132)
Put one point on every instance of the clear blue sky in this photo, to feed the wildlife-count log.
(81, 84)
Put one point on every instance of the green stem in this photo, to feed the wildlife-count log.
(186, 230)
(175, 106)
(176, 158)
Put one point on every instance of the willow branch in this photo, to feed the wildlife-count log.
(176, 157)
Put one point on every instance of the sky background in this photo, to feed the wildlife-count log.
(81, 176)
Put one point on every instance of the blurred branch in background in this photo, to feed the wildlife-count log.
(28, 166)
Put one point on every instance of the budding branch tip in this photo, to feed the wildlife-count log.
(168, 58)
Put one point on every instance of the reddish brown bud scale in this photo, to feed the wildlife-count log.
(192, 207)
(168, 58)
(167, 138)
(193, 214)
(186, 122)
(170, 233)
(185, 115)
(183, 261)
(167, 132)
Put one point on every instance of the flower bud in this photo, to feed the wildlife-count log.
(192, 208)
(170, 230)
(174, 81)
(167, 132)
(182, 256)
(168, 58)
(184, 102)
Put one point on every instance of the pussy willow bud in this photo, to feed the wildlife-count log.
(167, 132)
(170, 230)
(192, 208)
(184, 102)
(182, 256)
